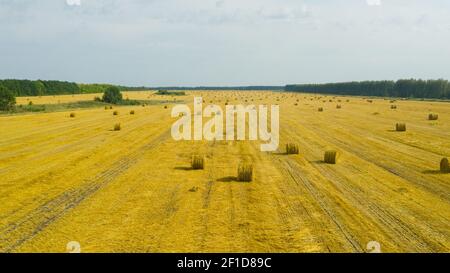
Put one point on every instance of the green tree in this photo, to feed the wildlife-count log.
(112, 95)
(7, 99)
(40, 88)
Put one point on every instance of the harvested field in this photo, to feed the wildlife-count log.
(134, 190)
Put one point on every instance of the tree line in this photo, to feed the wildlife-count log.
(408, 88)
(39, 88)
(42, 87)
(100, 88)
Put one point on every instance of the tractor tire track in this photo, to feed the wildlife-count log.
(403, 232)
(15, 234)
(206, 198)
(394, 166)
(301, 180)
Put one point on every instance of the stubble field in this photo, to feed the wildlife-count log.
(76, 179)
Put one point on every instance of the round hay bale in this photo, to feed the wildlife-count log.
(291, 148)
(400, 127)
(115, 113)
(338, 106)
(393, 107)
(117, 127)
(132, 112)
(331, 157)
(197, 162)
(320, 109)
(193, 189)
(445, 166)
(245, 172)
(432, 116)
(72, 115)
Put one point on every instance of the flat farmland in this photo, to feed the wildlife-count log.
(69, 179)
(39, 100)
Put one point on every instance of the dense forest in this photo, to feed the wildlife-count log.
(42, 88)
(39, 88)
(436, 89)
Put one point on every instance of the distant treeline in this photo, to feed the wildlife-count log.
(39, 88)
(93, 88)
(435, 89)
(170, 93)
(42, 88)
(279, 88)
(100, 88)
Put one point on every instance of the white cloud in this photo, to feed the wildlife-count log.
(373, 2)
(73, 2)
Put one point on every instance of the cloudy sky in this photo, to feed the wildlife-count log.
(224, 42)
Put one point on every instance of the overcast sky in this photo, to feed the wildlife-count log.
(224, 42)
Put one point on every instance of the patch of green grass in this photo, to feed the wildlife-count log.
(48, 108)
(130, 102)
(171, 93)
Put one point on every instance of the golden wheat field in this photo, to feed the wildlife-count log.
(75, 178)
